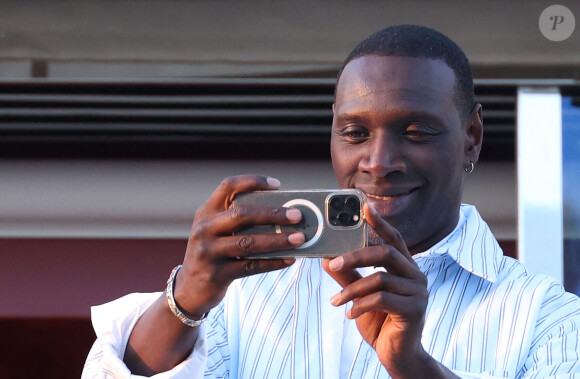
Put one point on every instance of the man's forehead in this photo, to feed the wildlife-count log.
(396, 72)
(402, 78)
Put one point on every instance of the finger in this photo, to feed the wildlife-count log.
(386, 231)
(342, 277)
(237, 218)
(377, 256)
(240, 268)
(377, 282)
(408, 307)
(248, 244)
(224, 194)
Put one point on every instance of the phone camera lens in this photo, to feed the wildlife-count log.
(352, 203)
(344, 218)
(336, 203)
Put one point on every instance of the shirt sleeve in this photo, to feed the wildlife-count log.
(555, 349)
(113, 323)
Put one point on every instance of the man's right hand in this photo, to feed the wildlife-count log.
(213, 259)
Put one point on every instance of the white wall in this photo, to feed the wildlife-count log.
(157, 199)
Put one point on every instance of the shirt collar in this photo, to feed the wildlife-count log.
(472, 245)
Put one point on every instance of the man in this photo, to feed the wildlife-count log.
(432, 297)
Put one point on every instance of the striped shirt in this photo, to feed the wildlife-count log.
(486, 317)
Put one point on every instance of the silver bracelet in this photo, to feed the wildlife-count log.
(173, 304)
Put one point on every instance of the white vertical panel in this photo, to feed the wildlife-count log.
(539, 164)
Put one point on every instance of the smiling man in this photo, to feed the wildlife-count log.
(399, 136)
(431, 297)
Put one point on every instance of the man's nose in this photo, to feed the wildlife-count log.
(383, 156)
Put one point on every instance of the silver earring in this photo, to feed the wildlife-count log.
(470, 169)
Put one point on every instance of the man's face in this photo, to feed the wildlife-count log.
(398, 136)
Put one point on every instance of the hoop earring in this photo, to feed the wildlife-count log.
(469, 169)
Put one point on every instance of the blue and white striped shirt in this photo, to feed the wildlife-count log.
(486, 317)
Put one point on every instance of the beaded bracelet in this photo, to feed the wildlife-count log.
(173, 304)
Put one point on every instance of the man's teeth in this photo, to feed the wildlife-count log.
(384, 197)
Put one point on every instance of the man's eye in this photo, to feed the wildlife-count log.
(355, 134)
(420, 134)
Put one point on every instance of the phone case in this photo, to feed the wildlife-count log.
(332, 220)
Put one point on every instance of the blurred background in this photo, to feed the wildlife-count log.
(118, 118)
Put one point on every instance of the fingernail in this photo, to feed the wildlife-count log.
(296, 239)
(289, 261)
(293, 214)
(336, 263)
(335, 300)
(273, 182)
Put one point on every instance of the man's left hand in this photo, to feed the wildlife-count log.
(389, 307)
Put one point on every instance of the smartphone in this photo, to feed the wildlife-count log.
(332, 220)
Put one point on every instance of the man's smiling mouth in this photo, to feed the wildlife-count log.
(392, 196)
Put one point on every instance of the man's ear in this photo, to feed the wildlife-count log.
(473, 135)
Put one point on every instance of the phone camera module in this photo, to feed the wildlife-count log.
(344, 210)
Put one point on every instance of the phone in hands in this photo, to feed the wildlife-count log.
(332, 220)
